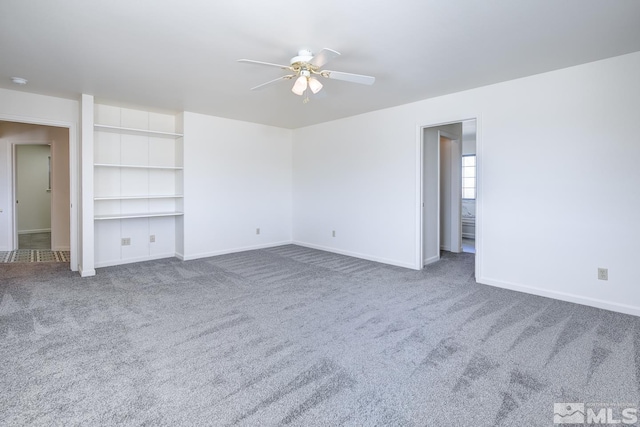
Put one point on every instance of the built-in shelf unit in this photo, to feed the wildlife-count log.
(138, 175)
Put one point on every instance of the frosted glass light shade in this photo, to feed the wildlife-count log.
(314, 85)
(300, 85)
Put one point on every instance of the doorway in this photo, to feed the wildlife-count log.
(441, 183)
(32, 172)
(38, 160)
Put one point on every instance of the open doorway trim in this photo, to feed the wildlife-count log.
(74, 175)
(419, 187)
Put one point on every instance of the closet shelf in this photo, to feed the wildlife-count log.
(165, 196)
(136, 215)
(111, 165)
(132, 131)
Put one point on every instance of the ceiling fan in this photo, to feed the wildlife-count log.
(305, 67)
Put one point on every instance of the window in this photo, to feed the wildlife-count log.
(469, 177)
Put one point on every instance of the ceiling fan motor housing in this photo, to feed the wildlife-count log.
(304, 56)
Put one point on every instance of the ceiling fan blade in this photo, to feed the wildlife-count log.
(269, 64)
(348, 77)
(289, 77)
(324, 56)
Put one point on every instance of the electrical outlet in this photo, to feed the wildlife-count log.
(257, 230)
(152, 238)
(333, 233)
(603, 274)
(126, 241)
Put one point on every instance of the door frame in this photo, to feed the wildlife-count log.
(420, 191)
(74, 176)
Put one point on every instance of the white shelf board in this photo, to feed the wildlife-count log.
(167, 196)
(136, 215)
(131, 131)
(110, 165)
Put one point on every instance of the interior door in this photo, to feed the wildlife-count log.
(430, 196)
(456, 195)
(450, 193)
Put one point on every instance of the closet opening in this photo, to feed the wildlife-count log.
(448, 189)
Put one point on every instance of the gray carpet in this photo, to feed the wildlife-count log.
(295, 336)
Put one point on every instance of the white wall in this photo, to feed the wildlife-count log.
(58, 137)
(60, 191)
(357, 176)
(237, 177)
(468, 137)
(556, 151)
(33, 193)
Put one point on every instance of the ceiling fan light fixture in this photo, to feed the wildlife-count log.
(300, 85)
(314, 85)
(305, 69)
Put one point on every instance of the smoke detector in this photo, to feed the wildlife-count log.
(19, 81)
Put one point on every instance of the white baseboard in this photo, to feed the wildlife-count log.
(563, 296)
(231, 251)
(86, 273)
(357, 255)
(431, 260)
(34, 231)
(113, 262)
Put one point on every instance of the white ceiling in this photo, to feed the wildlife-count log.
(181, 55)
